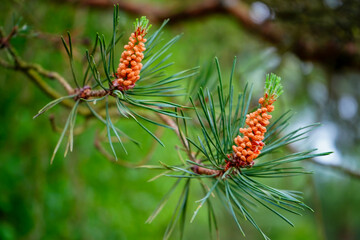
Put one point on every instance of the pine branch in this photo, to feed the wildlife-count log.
(129, 101)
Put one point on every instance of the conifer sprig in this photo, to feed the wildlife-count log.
(238, 189)
(145, 66)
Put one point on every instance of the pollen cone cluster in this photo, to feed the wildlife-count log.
(130, 65)
(248, 147)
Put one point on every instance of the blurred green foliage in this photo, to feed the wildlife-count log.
(84, 196)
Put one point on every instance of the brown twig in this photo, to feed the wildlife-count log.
(4, 42)
(206, 171)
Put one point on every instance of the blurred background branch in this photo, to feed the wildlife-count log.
(308, 45)
(338, 168)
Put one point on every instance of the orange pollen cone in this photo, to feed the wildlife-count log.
(248, 147)
(130, 64)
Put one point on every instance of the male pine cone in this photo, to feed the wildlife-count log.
(130, 65)
(248, 147)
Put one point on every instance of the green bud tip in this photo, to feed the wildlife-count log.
(142, 25)
(273, 87)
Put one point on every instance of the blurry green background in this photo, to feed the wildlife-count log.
(84, 196)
